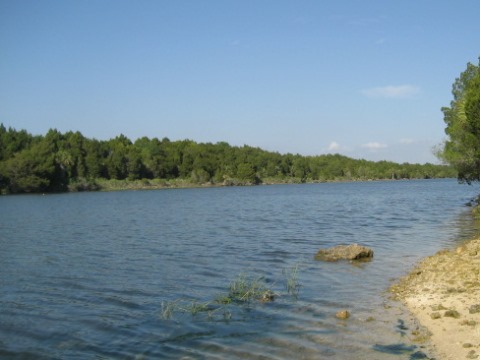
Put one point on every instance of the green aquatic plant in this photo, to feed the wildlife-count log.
(223, 299)
(185, 306)
(245, 289)
(196, 307)
(168, 308)
(242, 290)
(291, 281)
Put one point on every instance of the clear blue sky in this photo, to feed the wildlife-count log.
(365, 79)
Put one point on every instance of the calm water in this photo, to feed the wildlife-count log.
(85, 275)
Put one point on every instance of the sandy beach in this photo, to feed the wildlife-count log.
(443, 293)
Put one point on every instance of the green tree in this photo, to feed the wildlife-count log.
(135, 167)
(462, 147)
(73, 144)
(246, 174)
(31, 170)
(95, 154)
(117, 159)
(300, 168)
(13, 141)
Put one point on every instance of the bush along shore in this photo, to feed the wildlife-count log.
(69, 161)
(443, 293)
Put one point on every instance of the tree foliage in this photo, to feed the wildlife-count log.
(462, 119)
(62, 162)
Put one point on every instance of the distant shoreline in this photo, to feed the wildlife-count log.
(60, 162)
(443, 293)
(108, 185)
(125, 185)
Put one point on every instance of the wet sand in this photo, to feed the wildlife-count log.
(443, 293)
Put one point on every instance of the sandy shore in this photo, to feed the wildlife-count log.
(443, 293)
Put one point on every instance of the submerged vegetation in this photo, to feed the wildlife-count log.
(291, 276)
(169, 308)
(244, 290)
(72, 162)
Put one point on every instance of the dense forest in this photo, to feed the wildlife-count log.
(71, 162)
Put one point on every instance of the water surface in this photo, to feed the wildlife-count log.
(85, 275)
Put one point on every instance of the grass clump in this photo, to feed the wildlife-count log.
(244, 289)
(291, 277)
(169, 308)
(196, 307)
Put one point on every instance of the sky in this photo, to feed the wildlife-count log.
(366, 79)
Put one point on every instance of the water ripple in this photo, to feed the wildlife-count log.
(85, 275)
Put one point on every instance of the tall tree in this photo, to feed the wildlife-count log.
(117, 159)
(95, 159)
(13, 141)
(462, 147)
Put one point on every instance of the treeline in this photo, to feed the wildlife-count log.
(72, 162)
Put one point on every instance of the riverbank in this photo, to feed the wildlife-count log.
(158, 184)
(443, 293)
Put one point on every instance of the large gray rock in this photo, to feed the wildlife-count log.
(345, 252)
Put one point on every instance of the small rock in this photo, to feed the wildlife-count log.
(460, 249)
(418, 355)
(467, 345)
(472, 355)
(267, 296)
(452, 313)
(421, 335)
(435, 315)
(474, 309)
(343, 314)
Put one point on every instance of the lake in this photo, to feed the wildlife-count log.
(121, 275)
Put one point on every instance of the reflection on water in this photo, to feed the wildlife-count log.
(85, 275)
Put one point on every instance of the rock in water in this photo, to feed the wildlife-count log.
(345, 252)
(343, 314)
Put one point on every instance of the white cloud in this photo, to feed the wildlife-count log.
(391, 91)
(334, 146)
(374, 146)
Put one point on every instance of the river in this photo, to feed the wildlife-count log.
(116, 275)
